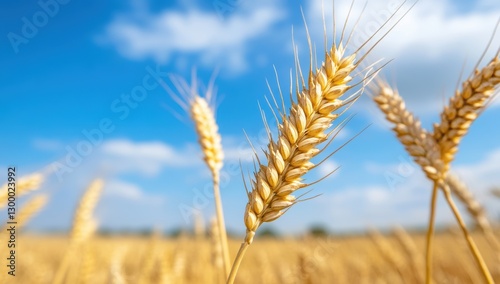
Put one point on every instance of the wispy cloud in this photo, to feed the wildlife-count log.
(212, 40)
(45, 144)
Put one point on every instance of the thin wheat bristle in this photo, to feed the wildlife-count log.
(23, 185)
(208, 134)
(289, 157)
(416, 140)
(464, 108)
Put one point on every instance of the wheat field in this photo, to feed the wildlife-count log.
(348, 259)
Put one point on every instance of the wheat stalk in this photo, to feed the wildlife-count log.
(209, 139)
(216, 253)
(83, 227)
(464, 107)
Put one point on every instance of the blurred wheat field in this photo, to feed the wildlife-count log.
(353, 259)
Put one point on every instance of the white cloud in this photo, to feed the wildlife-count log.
(47, 144)
(213, 40)
(430, 45)
(327, 167)
(481, 177)
(149, 158)
(123, 189)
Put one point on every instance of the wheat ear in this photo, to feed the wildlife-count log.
(417, 142)
(299, 134)
(210, 141)
(316, 106)
(83, 227)
(24, 185)
(464, 107)
(426, 152)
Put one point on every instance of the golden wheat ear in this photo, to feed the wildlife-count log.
(464, 107)
(417, 142)
(319, 100)
(202, 113)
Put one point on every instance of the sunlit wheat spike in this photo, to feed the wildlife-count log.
(83, 222)
(22, 186)
(299, 134)
(208, 134)
(464, 107)
(418, 143)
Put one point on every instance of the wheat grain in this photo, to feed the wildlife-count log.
(464, 107)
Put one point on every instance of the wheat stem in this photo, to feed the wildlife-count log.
(430, 235)
(472, 245)
(222, 228)
(236, 265)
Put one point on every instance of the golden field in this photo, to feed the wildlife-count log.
(353, 259)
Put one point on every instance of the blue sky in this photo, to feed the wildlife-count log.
(68, 69)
